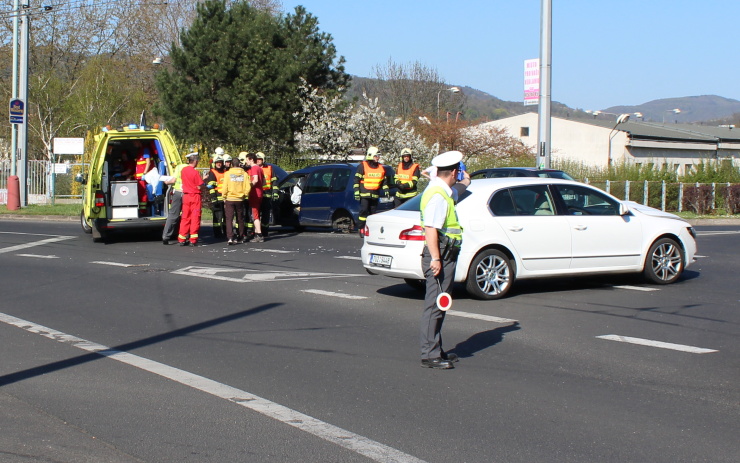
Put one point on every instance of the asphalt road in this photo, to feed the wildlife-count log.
(288, 351)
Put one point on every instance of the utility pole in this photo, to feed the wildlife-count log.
(543, 133)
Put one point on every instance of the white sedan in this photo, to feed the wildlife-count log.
(517, 228)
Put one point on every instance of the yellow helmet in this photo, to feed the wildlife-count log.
(260, 155)
(243, 156)
(371, 153)
(405, 152)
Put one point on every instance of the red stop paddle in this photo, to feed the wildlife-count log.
(444, 300)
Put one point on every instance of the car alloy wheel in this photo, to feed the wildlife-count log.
(491, 275)
(664, 263)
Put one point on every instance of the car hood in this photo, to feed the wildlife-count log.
(651, 211)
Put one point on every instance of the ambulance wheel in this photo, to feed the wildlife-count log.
(85, 226)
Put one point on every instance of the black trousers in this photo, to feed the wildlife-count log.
(368, 206)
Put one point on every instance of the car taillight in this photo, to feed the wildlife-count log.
(99, 199)
(415, 233)
(365, 231)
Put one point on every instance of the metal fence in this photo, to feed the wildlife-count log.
(43, 185)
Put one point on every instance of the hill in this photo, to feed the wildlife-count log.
(711, 109)
(692, 109)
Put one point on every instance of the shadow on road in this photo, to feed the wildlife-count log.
(128, 347)
(483, 340)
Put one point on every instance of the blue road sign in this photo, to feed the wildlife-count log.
(17, 111)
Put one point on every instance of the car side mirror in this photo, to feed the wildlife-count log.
(80, 178)
(623, 209)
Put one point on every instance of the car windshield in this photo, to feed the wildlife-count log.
(414, 204)
(555, 174)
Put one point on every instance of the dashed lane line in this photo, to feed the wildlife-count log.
(332, 294)
(38, 256)
(659, 344)
(348, 257)
(117, 264)
(341, 437)
(477, 316)
(19, 247)
(635, 288)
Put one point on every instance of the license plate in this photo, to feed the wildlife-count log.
(381, 261)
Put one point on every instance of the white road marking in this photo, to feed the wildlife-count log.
(635, 288)
(699, 257)
(37, 256)
(341, 437)
(718, 232)
(251, 276)
(117, 264)
(348, 257)
(477, 316)
(660, 344)
(275, 251)
(329, 293)
(35, 243)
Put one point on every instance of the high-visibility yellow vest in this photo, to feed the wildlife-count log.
(451, 228)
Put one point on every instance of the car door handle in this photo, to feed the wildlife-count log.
(516, 229)
(581, 227)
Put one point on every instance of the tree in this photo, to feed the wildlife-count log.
(235, 75)
(413, 88)
(332, 128)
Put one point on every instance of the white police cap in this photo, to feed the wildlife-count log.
(190, 155)
(449, 158)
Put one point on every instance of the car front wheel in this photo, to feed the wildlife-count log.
(664, 263)
(491, 275)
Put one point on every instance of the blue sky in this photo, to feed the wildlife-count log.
(604, 53)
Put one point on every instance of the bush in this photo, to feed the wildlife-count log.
(730, 198)
(698, 199)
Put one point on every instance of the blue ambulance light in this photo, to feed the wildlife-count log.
(133, 126)
(104, 129)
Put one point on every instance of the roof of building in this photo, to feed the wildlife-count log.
(658, 131)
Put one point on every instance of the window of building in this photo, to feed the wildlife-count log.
(524, 132)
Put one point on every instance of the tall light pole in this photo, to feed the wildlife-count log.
(543, 133)
(620, 120)
(451, 89)
(23, 95)
(674, 111)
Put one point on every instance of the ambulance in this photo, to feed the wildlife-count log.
(120, 195)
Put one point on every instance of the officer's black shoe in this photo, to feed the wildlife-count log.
(450, 357)
(183, 243)
(192, 245)
(166, 242)
(438, 363)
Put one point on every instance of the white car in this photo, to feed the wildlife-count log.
(517, 228)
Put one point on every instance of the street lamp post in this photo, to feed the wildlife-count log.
(620, 120)
(674, 111)
(451, 89)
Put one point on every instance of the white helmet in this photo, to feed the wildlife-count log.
(220, 151)
(227, 158)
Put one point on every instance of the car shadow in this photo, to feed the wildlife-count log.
(483, 340)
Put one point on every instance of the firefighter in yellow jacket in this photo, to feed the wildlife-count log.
(370, 183)
(407, 178)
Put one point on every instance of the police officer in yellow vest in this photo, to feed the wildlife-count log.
(443, 238)
(370, 183)
(407, 177)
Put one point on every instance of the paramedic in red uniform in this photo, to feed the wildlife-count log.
(192, 184)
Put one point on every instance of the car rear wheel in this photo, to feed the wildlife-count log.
(85, 226)
(343, 222)
(664, 263)
(491, 275)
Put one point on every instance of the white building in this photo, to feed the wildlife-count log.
(596, 142)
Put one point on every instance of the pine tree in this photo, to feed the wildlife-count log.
(235, 76)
